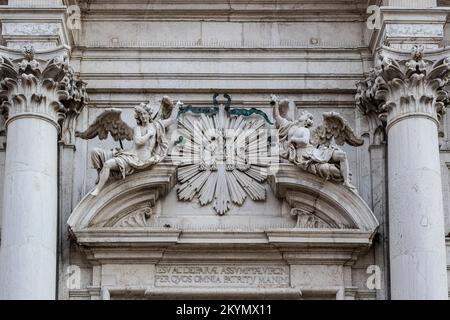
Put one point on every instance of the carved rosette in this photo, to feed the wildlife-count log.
(41, 87)
(400, 88)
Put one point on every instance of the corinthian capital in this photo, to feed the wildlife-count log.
(40, 85)
(401, 87)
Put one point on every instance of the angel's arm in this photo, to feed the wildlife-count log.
(167, 122)
(276, 113)
(280, 121)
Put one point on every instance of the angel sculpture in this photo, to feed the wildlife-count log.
(316, 152)
(149, 140)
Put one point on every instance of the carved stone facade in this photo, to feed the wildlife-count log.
(122, 178)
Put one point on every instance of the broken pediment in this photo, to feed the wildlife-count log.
(124, 202)
(319, 204)
(305, 202)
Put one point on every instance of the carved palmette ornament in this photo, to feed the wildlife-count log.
(137, 218)
(220, 158)
(308, 220)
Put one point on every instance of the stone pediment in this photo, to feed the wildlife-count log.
(329, 205)
(319, 211)
(124, 203)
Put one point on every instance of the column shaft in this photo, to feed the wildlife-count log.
(416, 229)
(29, 230)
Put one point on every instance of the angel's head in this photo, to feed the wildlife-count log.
(143, 114)
(305, 119)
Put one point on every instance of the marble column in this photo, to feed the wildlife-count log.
(37, 92)
(408, 93)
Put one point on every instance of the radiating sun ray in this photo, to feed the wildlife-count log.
(221, 161)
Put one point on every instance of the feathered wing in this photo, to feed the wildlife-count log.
(108, 122)
(335, 126)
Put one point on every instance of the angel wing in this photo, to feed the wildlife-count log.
(108, 122)
(335, 126)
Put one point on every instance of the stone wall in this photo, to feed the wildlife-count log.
(310, 53)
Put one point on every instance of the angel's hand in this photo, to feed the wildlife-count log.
(175, 111)
(274, 100)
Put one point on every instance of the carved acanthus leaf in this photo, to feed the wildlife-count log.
(135, 219)
(399, 87)
(43, 86)
(307, 219)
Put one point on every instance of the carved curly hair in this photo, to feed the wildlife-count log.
(140, 110)
(309, 118)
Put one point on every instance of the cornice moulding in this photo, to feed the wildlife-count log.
(430, 54)
(35, 16)
(285, 17)
(349, 89)
(394, 16)
(207, 293)
(226, 10)
(46, 54)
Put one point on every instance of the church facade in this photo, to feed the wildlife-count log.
(224, 149)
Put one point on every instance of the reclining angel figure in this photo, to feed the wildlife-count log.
(149, 140)
(316, 152)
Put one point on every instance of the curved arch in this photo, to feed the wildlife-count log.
(317, 203)
(335, 204)
(120, 198)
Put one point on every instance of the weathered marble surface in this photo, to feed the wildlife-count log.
(37, 92)
(409, 93)
(308, 52)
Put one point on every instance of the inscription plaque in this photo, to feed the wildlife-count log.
(222, 275)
